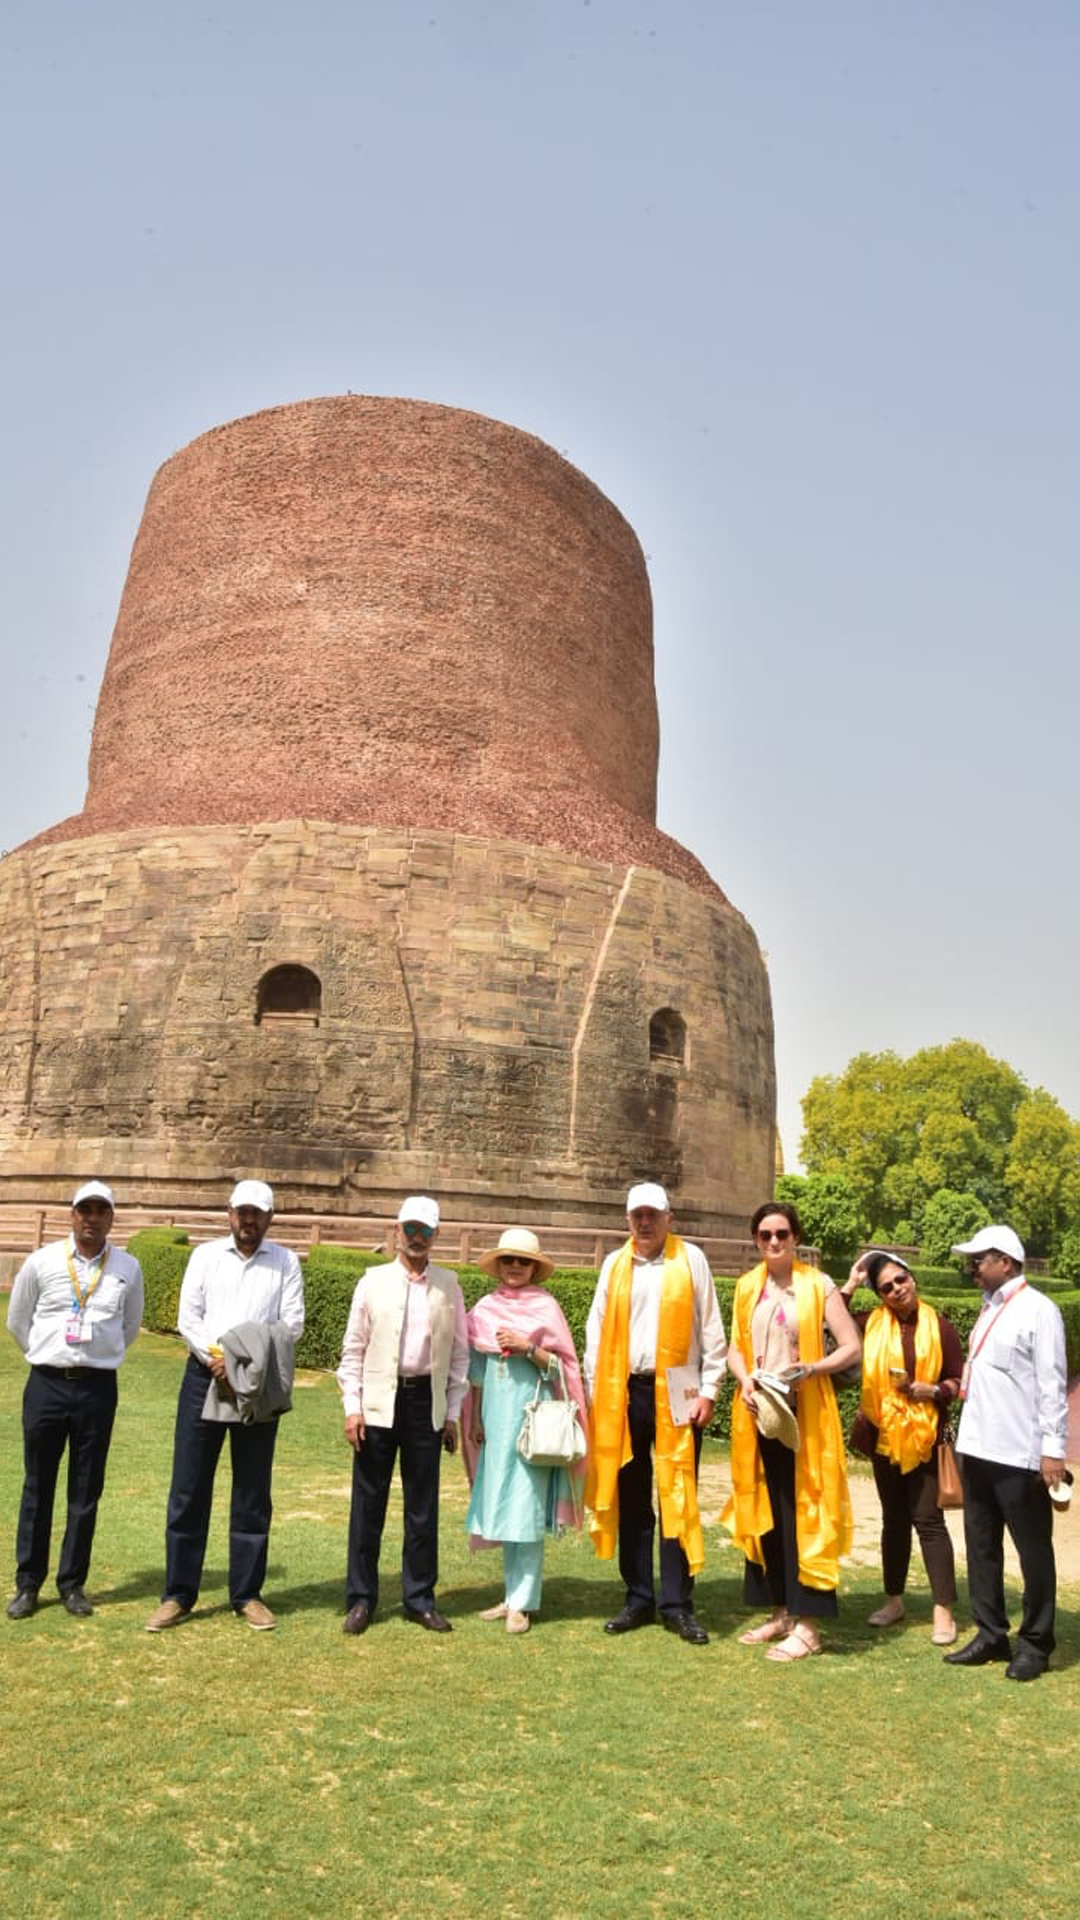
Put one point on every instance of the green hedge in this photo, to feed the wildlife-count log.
(331, 1273)
(163, 1254)
(330, 1277)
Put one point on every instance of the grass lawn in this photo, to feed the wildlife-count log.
(213, 1771)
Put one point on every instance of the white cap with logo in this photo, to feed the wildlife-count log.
(647, 1194)
(252, 1193)
(994, 1240)
(419, 1207)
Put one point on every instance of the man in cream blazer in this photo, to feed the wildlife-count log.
(403, 1374)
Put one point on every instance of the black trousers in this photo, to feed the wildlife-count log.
(637, 1520)
(419, 1445)
(910, 1500)
(75, 1410)
(996, 1497)
(777, 1584)
(196, 1450)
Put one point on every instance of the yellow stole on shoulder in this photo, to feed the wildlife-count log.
(673, 1451)
(907, 1429)
(823, 1519)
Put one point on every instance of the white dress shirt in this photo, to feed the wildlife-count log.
(43, 1301)
(222, 1289)
(708, 1346)
(1015, 1409)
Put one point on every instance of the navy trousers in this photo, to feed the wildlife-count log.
(196, 1450)
(419, 1445)
(75, 1409)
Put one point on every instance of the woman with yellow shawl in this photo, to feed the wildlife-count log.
(912, 1362)
(789, 1511)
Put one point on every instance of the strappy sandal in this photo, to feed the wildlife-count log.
(775, 1629)
(797, 1646)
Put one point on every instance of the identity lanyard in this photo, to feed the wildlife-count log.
(974, 1351)
(94, 1271)
(976, 1347)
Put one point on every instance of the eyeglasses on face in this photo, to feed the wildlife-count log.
(975, 1260)
(774, 1233)
(515, 1260)
(409, 1227)
(885, 1287)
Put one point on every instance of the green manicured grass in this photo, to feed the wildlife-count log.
(219, 1774)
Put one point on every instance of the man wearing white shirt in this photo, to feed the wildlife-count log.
(655, 1309)
(228, 1283)
(404, 1370)
(1011, 1446)
(75, 1308)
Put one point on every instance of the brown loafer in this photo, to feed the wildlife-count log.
(169, 1614)
(358, 1618)
(257, 1615)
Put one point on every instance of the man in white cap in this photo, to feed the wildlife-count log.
(404, 1370)
(655, 1355)
(228, 1283)
(75, 1308)
(1011, 1446)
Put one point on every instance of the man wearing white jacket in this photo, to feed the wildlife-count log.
(403, 1374)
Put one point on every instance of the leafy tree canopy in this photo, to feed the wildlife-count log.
(832, 1219)
(950, 1118)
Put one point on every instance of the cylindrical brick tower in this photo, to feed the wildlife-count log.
(367, 892)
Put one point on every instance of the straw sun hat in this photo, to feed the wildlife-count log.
(520, 1241)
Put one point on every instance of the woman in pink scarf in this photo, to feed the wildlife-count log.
(516, 1333)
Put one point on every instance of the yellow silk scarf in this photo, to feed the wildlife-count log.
(907, 1429)
(673, 1450)
(823, 1519)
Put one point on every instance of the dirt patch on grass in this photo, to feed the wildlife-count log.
(715, 1486)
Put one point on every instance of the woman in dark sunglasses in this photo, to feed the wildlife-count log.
(789, 1511)
(912, 1362)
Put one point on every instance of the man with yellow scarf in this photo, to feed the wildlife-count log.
(655, 1308)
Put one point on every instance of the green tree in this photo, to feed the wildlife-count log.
(1042, 1173)
(948, 1218)
(901, 1130)
(832, 1219)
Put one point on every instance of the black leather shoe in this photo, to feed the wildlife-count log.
(686, 1627)
(77, 1603)
(23, 1605)
(358, 1618)
(433, 1621)
(978, 1652)
(629, 1618)
(1025, 1666)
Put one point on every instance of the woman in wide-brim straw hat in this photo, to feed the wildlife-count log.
(516, 1333)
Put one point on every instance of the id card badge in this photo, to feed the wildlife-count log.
(77, 1330)
(965, 1380)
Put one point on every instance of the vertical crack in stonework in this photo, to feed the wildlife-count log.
(586, 1011)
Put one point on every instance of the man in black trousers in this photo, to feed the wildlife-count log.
(1011, 1447)
(75, 1308)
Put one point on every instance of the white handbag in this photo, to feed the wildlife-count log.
(551, 1433)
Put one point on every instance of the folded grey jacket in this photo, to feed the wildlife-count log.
(259, 1365)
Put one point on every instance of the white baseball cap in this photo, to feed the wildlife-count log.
(95, 1190)
(648, 1194)
(252, 1193)
(994, 1240)
(421, 1208)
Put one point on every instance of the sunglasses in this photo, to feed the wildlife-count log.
(774, 1233)
(409, 1227)
(515, 1260)
(885, 1287)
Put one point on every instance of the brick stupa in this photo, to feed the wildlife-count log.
(367, 894)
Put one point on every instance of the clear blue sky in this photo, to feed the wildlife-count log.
(796, 285)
